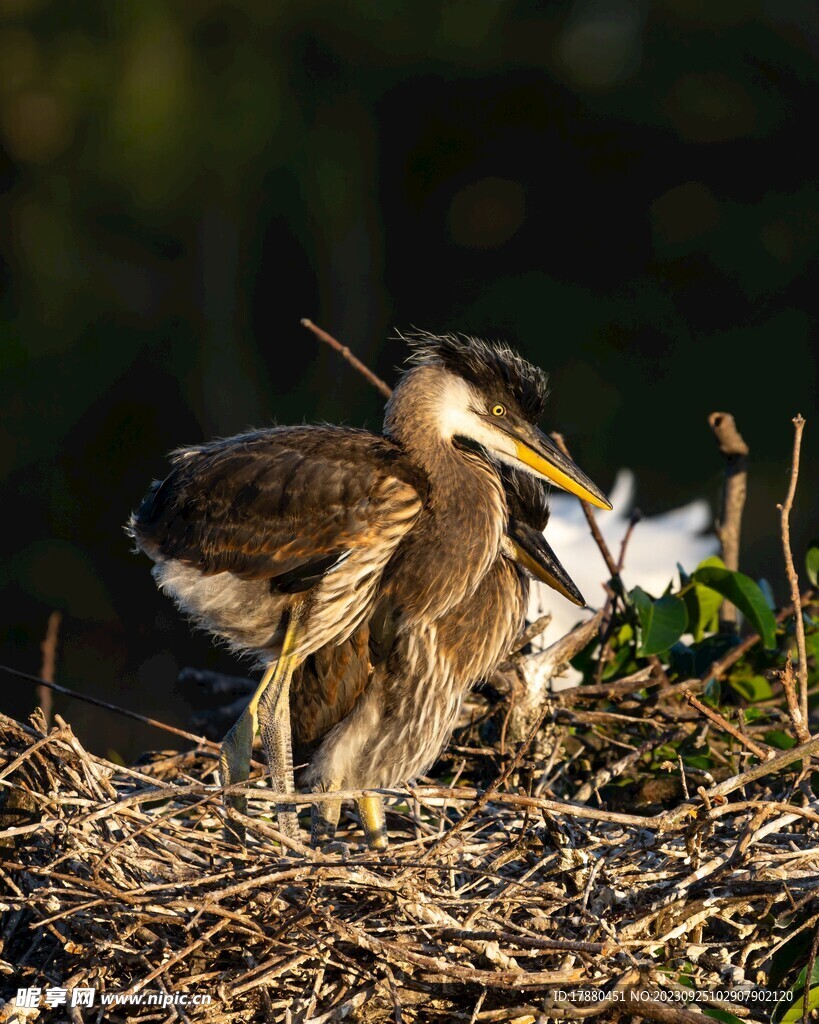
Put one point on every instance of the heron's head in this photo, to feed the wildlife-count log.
(483, 394)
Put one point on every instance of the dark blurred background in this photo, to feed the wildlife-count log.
(624, 190)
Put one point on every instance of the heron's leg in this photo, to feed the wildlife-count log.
(237, 749)
(324, 821)
(370, 811)
(373, 820)
(274, 721)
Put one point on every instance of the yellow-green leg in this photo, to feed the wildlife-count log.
(237, 749)
(370, 808)
(274, 725)
(373, 820)
(269, 710)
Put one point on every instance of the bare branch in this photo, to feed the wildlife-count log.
(735, 451)
(611, 565)
(793, 579)
(788, 680)
(345, 353)
(199, 740)
(48, 665)
(763, 753)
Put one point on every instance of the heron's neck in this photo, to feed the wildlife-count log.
(466, 504)
(418, 418)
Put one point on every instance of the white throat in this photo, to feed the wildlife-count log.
(454, 416)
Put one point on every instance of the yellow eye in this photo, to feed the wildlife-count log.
(498, 410)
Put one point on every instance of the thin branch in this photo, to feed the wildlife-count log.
(728, 528)
(634, 519)
(611, 601)
(48, 665)
(793, 579)
(611, 565)
(783, 760)
(199, 740)
(345, 353)
(532, 630)
(788, 680)
(762, 753)
(806, 1014)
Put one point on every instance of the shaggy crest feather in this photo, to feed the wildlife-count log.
(483, 363)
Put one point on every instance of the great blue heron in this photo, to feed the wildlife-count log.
(286, 540)
(352, 703)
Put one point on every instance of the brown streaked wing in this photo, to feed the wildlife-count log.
(264, 503)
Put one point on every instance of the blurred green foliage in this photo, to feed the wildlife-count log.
(624, 190)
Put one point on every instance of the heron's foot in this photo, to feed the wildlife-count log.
(324, 821)
(373, 820)
(339, 847)
(234, 766)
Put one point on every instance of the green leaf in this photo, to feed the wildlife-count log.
(662, 622)
(779, 739)
(745, 594)
(717, 1014)
(712, 691)
(812, 561)
(702, 604)
(794, 951)
(767, 593)
(712, 562)
(752, 689)
(617, 663)
(793, 1013)
(665, 752)
(698, 761)
(814, 977)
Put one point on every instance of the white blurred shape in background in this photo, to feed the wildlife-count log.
(656, 546)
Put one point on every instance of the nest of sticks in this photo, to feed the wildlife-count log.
(567, 860)
(498, 899)
(564, 862)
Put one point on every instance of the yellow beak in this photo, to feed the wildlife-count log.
(536, 556)
(552, 464)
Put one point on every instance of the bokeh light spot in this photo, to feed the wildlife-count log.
(37, 126)
(684, 214)
(601, 46)
(486, 213)
(710, 107)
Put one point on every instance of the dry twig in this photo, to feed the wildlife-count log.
(793, 579)
(129, 883)
(48, 666)
(345, 353)
(728, 528)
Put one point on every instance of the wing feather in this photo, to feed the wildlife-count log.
(265, 504)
